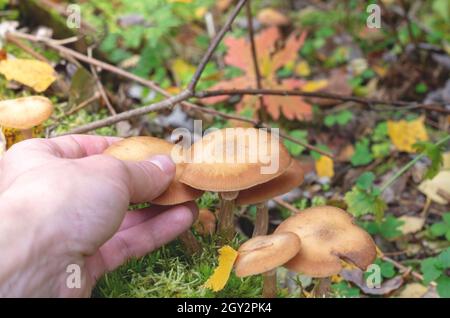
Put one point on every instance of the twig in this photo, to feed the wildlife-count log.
(405, 269)
(251, 33)
(286, 205)
(167, 103)
(345, 98)
(99, 84)
(212, 47)
(82, 105)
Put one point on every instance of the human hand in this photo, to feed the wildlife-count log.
(62, 202)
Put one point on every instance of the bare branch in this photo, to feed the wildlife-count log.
(212, 47)
(339, 97)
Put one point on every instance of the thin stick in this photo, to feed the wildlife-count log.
(212, 47)
(251, 33)
(81, 105)
(99, 84)
(340, 97)
(167, 103)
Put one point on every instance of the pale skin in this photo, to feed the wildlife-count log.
(62, 202)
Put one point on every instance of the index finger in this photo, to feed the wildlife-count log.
(69, 146)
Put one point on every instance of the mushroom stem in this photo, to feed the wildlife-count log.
(226, 215)
(262, 219)
(322, 288)
(27, 133)
(190, 242)
(270, 284)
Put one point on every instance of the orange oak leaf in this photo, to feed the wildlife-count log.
(270, 59)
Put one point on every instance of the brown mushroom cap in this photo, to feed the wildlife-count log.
(206, 222)
(328, 237)
(25, 112)
(212, 169)
(264, 253)
(141, 148)
(289, 180)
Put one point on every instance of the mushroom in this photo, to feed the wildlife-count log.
(259, 194)
(206, 222)
(329, 236)
(141, 148)
(231, 160)
(263, 254)
(24, 113)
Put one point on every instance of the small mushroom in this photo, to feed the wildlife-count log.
(328, 237)
(24, 113)
(206, 222)
(263, 254)
(259, 194)
(228, 161)
(141, 148)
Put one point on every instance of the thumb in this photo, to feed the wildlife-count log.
(146, 180)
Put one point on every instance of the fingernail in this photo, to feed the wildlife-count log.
(164, 163)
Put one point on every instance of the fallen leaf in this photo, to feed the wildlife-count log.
(413, 290)
(446, 161)
(270, 61)
(314, 86)
(404, 134)
(411, 224)
(431, 187)
(302, 69)
(218, 280)
(33, 73)
(272, 17)
(325, 167)
(182, 70)
(356, 276)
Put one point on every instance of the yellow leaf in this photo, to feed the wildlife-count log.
(325, 167)
(182, 69)
(303, 69)
(200, 12)
(33, 73)
(218, 280)
(314, 86)
(336, 279)
(404, 134)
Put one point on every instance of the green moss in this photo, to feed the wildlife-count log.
(169, 272)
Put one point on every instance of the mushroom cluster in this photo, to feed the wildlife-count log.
(235, 163)
(315, 242)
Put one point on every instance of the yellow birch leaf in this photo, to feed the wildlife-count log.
(302, 69)
(33, 73)
(218, 280)
(314, 86)
(404, 134)
(325, 167)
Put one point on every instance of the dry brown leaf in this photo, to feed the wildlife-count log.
(411, 224)
(431, 187)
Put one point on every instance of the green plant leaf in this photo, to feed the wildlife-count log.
(390, 227)
(443, 286)
(434, 153)
(361, 202)
(430, 270)
(296, 149)
(362, 155)
(344, 289)
(365, 180)
(444, 258)
(439, 229)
